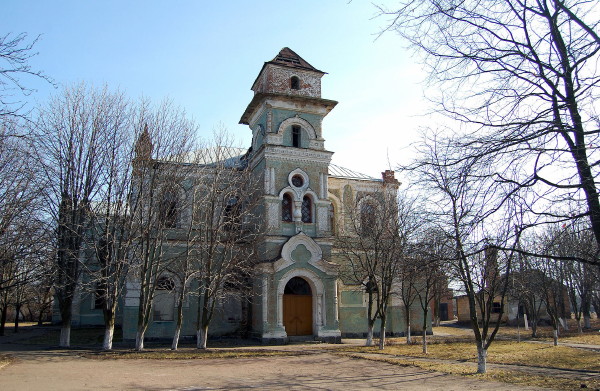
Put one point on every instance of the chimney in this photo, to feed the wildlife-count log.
(389, 177)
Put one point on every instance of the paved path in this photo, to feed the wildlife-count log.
(321, 371)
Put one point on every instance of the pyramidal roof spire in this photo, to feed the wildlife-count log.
(288, 58)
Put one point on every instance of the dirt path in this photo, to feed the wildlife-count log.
(324, 371)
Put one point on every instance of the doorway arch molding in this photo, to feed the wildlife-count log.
(318, 296)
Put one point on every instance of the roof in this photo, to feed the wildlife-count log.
(341, 172)
(288, 58)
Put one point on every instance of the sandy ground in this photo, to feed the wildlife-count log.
(60, 370)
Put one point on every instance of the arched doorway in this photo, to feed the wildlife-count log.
(297, 307)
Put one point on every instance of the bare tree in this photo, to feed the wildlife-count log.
(15, 53)
(374, 247)
(521, 77)
(110, 220)
(22, 232)
(409, 276)
(431, 253)
(72, 130)
(160, 168)
(471, 211)
(226, 227)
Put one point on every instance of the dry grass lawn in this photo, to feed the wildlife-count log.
(504, 352)
(187, 354)
(513, 377)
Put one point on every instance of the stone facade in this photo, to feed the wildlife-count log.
(288, 154)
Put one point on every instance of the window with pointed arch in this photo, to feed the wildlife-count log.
(332, 218)
(367, 217)
(168, 211)
(286, 208)
(306, 210)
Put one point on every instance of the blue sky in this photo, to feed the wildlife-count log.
(204, 55)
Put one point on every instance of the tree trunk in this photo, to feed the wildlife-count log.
(525, 323)
(424, 340)
(370, 335)
(17, 311)
(586, 321)
(201, 337)
(382, 335)
(177, 333)
(555, 336)
(139, 339)
(481, 358)
(109, 332)
(3, 319)
(408, 336)
(65, 335)
(108, 337)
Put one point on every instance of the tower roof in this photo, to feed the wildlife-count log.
(288, 58)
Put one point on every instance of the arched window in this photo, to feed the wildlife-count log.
(332, 218)
(286, 208)
(367, 217)
(306, 210)
(168, 210)
(164, 299)
(296, 136)
(231, 216)
(294, 83)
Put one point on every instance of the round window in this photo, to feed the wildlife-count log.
(297, 180)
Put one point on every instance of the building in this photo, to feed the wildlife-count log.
(298, 289)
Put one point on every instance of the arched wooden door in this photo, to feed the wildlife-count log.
(297, 307)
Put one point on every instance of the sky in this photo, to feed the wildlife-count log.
(205, 55)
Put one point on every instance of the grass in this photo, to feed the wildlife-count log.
(186, 354)
(4, 360)
(502, 352)
(513, 377)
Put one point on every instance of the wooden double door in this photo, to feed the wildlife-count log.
(297, 308)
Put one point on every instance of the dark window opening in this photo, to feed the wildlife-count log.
(332, 218)
(297, 180)
(165, 284)
(296, 139)
(232, 215)
(295, 83)
(99, 296)
(367, 218)
(297, 286)
(286, 208)
(371, 286)
(496, 307)
(306, 210)
(168, 210)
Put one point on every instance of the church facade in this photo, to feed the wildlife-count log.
(298, 287)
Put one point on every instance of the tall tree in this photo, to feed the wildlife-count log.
(374, 246)
(225, 229)
(521, 77)
(469, 208)
(72, 130)
(161, 166)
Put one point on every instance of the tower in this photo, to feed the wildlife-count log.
(288, 154)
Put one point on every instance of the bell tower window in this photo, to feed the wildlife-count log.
(295, 83)
(286, 208)
(296, 136)
(306, 210)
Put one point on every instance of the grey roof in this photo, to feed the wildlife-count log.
(342, 172)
